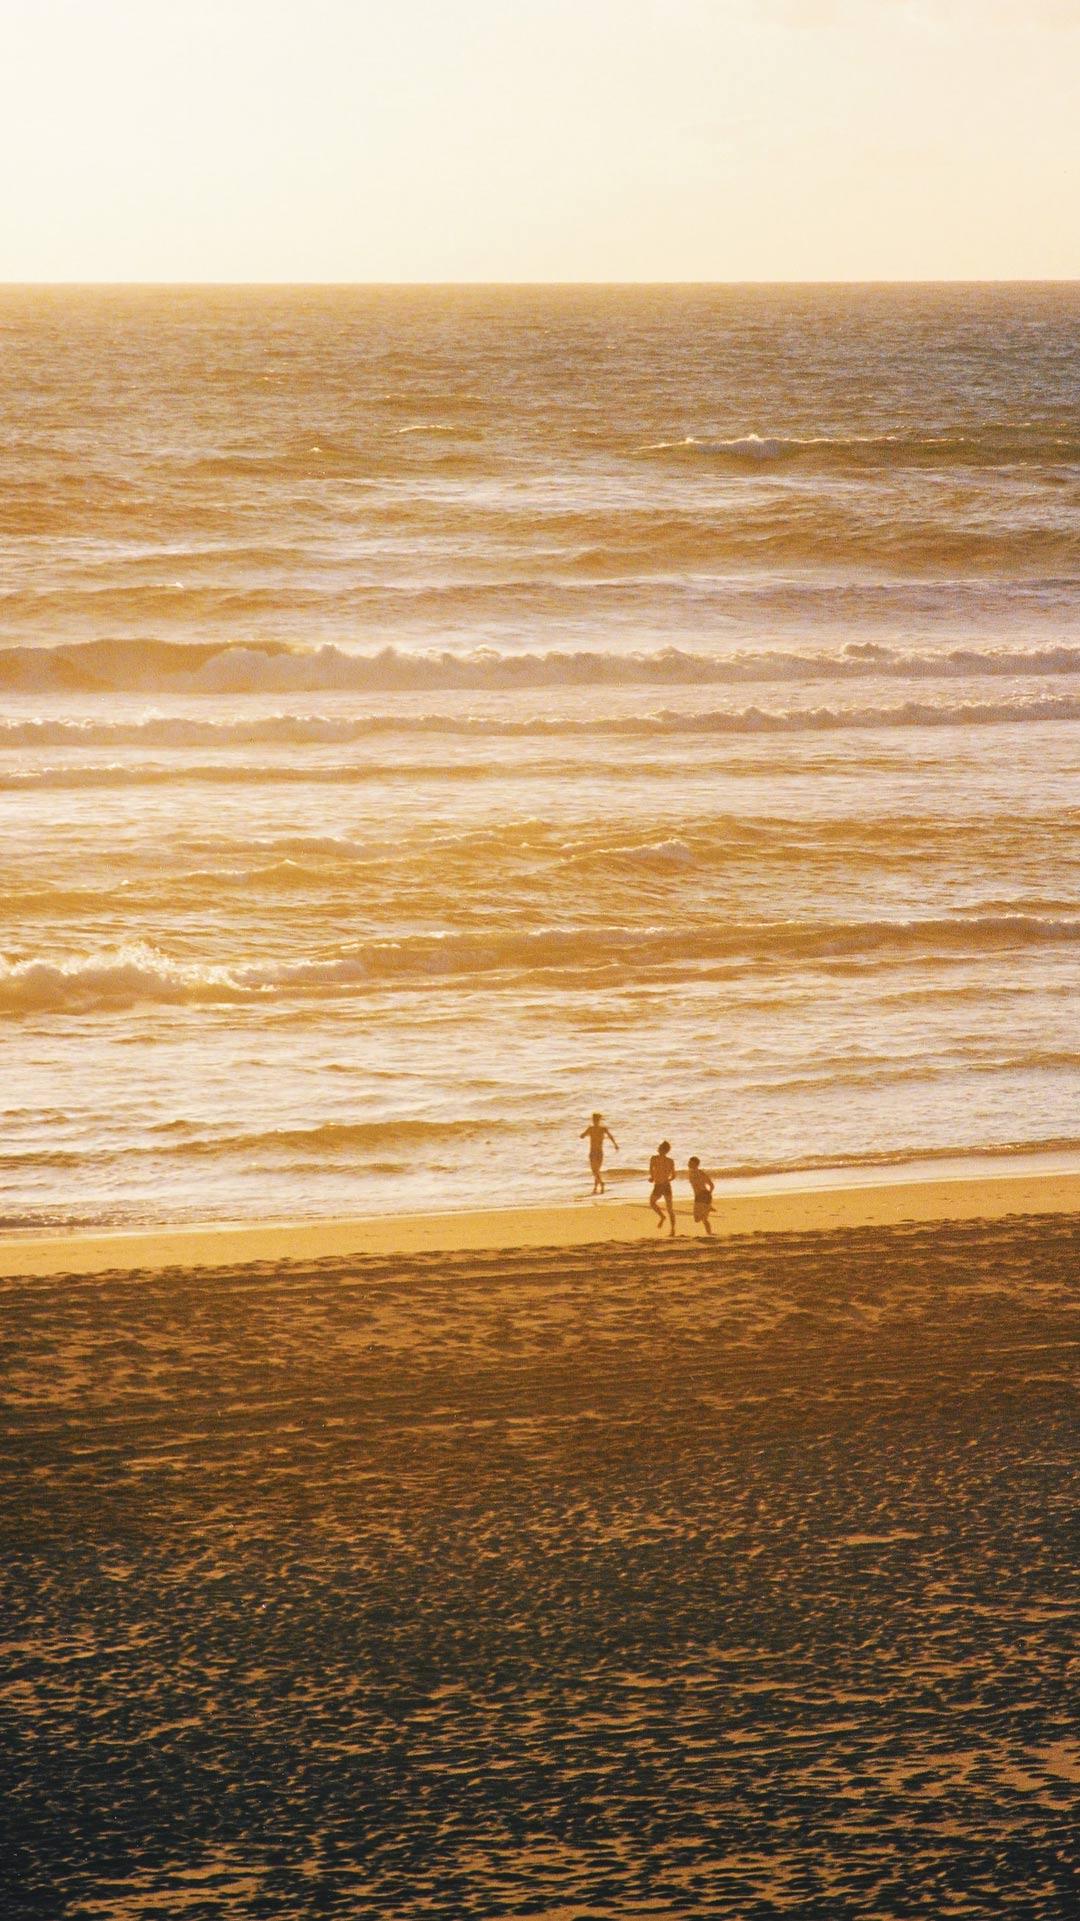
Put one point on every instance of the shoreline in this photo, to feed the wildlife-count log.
(814, 1208)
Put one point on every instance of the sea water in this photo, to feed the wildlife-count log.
(429, 715)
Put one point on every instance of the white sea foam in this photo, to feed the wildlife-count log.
(176, 736)
(141, 972)
(238, 670)
(117, 977)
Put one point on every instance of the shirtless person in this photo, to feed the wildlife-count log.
(596, 1134)
(661, 1174)
(703, 1191)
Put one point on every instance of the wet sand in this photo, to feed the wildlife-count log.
(989, 1192)
(627, 1580)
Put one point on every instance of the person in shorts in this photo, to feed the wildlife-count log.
(703, 1191)
(596, 1134)
(661, 1174)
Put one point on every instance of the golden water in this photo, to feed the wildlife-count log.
(427, 716)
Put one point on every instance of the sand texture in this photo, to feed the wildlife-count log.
(595, 1582)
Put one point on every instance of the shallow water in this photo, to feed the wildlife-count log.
(428, 716)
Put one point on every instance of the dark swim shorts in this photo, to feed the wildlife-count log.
(661, 1192)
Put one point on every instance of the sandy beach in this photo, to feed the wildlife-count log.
(586, 1579)
(990, 1194)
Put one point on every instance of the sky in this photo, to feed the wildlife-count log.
(491, 140)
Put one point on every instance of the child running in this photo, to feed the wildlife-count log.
(596, 1134)
(661, 1174)
(703, 1191)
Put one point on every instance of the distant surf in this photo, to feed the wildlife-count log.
(205, 668)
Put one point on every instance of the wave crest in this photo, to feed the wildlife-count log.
(285, 730)
(124, 977)
(203, 668)
(993, 446)
(329, 1139)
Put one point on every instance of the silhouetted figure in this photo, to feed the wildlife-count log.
(703, 1191)
(661, 1174)
(596, 1134)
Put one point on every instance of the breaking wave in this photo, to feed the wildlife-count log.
(332, 1138)
(203, 668)
(992, 446)
(127, 976)
(288, 730)
(297, 1148)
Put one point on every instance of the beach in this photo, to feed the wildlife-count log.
(604, 1578)
(988, 1194)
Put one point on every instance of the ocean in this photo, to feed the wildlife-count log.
(430, 715)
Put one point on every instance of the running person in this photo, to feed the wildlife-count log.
(596, 1134)
(703, 1191)
(661, 1174)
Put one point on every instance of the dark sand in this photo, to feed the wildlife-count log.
(603, 1582)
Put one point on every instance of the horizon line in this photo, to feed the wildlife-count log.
(892, 280)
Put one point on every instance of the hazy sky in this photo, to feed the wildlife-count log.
(539, 139)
